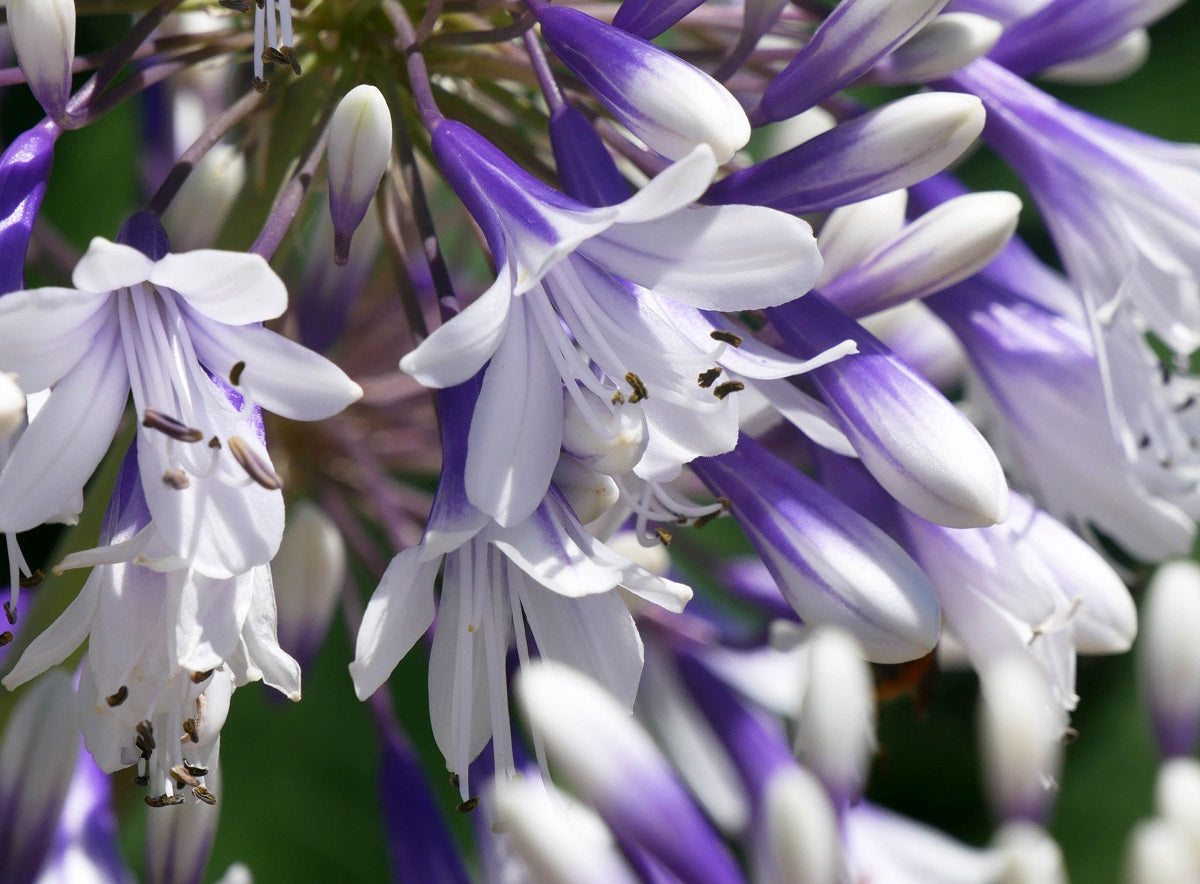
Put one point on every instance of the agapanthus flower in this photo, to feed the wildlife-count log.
(181, 333)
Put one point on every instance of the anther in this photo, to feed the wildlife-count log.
(664, 535)
(701, 521)
(198, 677)
(1070, 735)
(195, 769)
(214, 442)
(142, 780)
(145, 738)
(1185, 404)
(10, 614)
(176, 429)
(177, 479)
(725, 502)
(728, 387)
(639, 388)
(271, 55)
(34, 579)
(256, 468)
(164, 800)
(119, 697)
(6, 637)
(189, 728)
(236, 5)
(618, 398)
(454, 780)
(183, 777)
(235, 373)
(726, 337)
(1144, 440)
(289, 55)
(204, 795)
(260, 85)
(469, 805)
(706, 378)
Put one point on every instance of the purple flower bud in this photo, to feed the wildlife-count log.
(649, 18)
(360, 145)
(24, 170)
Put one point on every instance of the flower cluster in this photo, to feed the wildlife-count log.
(683, 398)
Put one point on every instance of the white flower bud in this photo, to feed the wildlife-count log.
(835, 731)
(1169, 655)
(802, 842)
(1106, 66)
(1177, 797)
(198, 212)
(43, 35)
(1030, 855)
(613, 447)
(1159, 852)
(12, 406)
(946, 44)
(589, 493)
(360, 145)
(307, 572)
(1021, 728)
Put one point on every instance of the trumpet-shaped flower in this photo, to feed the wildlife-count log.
(181, 332)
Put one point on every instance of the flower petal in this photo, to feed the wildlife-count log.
(260, 636)
(108, 266)
(64, 443)
(209, 621)
(230, 287)
(60, 639)
(277, 374)
(44, 332)
(459, 348)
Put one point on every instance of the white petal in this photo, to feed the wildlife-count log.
(44, 332)
(108, 266)
(459, 348)
(279, 375)
(60, 639)
(400, 611)
(679, 185)
(64, 443)
(259, 634)
(807, 414)
(235, 288)
(516, 430)
(714, 257)
(561, 559)
(210, 619)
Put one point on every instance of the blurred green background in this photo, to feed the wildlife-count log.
(299, 795)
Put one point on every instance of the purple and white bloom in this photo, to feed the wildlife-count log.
(848, 43)
(832, 565)
(615, 288)
(610, 761)
(43, 34)
(947, 43)
(163, 326)
(913, 441)
(360, 146)
(1120, 205)
(672, 106)
(1168, 658)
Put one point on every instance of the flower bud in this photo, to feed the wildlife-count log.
(179, 839)
(1177, 797)
(1030, 855)
(1159, 852)
(611, 442)
(307, 572)
(835, 732)
(24, 171)
(12, 406)
(43, 34)
(1115, 62)
(664, 101)
(1021, 727)
(1169, 655)
(198, 212)
(801, 831)
(589, 493)
(946, 44)
(360, 145)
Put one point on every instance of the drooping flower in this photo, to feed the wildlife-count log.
(179, 331)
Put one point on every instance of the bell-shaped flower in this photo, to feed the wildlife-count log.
(885, 149)
(912, 440)
(663, 100)
(360, 145)
(609, 287)
(846, 45)
(1121, 206)
(834, 566)
(181, 332)
(43, 35)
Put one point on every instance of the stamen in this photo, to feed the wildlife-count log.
(204, 795)
(707, 378)
(119, 697)
(198, 677)
(34, 579)
(183, 777)
(176, 429)
(726, 337)
(260, 85)
(237, 5)
(195, 769)
(256, 468)
(664, 535)
(289, 57)
(10, 613)
(145, 740)
(618, 398)
(728, 387)
(639, 389)
(469, 805)
(6, 637)
(235, 373)
(164, 800)
(189, 728)
(177, 479)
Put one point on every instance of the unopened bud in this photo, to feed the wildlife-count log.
(43, 35)
(1177, 797)
(308, 573)
(802, 842)
(198, 212)
(589, 493)
(612, 442)
(360, 144)
(1030, 855)
(946, 44)
(1159, 852)
(1110, 64)
(1169, 655)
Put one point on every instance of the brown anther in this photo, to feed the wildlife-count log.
(639, 388)
(204, 795)
(164, 800)
(1070, 735)
(169, 426)
(237, 5)
(726, 337)
(10, 614)
(469, 805)
(183, 777)
(271, 55)
(6, 637)
(454, 780)
(289, 55)
(195, 769)
(728, 387)
(260, 85)
(664, 535)
(618, 398)
(142, 780)
(235, 373)
(725, 502)
(189, 728)
(256, 468)
(706, 378)
(1186, 404)
(198, 677)
(214, 442)
(34, 579)
(119, 697)
(701, 521)
(145, 732)
(177, 479)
